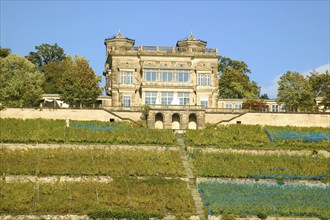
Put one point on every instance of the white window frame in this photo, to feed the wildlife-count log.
(182, 76)
(166, 76)
(166, 98)
(238, 106)
(275, 108)
(150, 98)
(126, 101)
(205, 103)
(129, 77)
(207, 81)
(229, 106)
(204, 79)
(150, 75)
(200, 79)
(126, 77)
(183, 98)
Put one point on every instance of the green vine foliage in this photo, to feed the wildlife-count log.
(265, 199)
(123, 214)
(68, 161)
(55, 131)
(245, 165)
(250, 137)
(151, 195)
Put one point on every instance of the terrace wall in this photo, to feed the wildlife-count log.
(276, 119)
(215, 117)
(283, 119)
(73, 114)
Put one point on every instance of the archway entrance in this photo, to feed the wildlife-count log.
(176, 121)
(159, 121)
(192, 121)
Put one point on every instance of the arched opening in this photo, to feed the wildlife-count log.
(159, 121)
(192, 122)
(175, 121)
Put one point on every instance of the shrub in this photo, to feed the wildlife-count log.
(120, 214)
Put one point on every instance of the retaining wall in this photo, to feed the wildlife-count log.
(72, 114)
(283, 119)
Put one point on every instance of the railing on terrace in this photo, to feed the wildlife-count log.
(177, 107)
(171, 49)
(226, 110)
(158, 107)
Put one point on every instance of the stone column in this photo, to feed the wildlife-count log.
(151, 119)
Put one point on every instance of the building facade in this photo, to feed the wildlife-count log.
(185, 75)
(177, 82)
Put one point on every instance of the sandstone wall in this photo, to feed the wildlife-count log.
(283, 119)
(135, 116)
(73, 114)
(217, 117)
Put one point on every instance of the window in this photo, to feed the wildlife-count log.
(207, 80)
(229, 106)
(122, 77)
(166, 76)
(150, 98)
(183, 98)
(182, 76)
(200, 79)
(127, 101)
(204, 103)
(238, 106)
(129, 78)
(167, 98)
(150, 75)
(274, 108)
(204, 79)
(126, 77)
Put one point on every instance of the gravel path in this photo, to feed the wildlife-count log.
(86, 146)
(261, 152)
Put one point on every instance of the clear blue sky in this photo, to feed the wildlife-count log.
(272, 37)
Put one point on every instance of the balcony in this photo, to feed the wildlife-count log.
(174, 49)
(176, 107)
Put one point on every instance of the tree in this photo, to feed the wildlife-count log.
(226, 63)
(80, 84)
(295, 92)
(234, 81)
(53, 74)
(319, 82)
(326, 98)
(46, 54)
(20, 82)
(4, 52)
(255, 105)
(264, 96)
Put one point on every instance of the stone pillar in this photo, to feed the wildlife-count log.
(200, 119)
(167, 120)
(184, 119)
(151, 119)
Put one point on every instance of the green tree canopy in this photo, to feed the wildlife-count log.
(319, 82)
(45, 54)
(226, 63)
(255, 105)
(4, 52)
(295, 92)
(20, 82)
(326, 98)
(80, 85)
(53, 74)
(234, 81)
(264, 96)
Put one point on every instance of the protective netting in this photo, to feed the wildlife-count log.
(283, 135)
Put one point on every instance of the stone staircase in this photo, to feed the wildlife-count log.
(192, 185)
